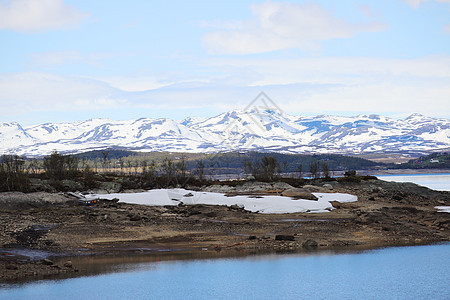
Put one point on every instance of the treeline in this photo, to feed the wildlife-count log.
(57, 171)
(225, 163)
(269, 169)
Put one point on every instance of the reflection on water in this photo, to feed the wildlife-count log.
(438, 182)
(419, 272)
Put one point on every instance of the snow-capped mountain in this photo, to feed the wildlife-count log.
(260, 130)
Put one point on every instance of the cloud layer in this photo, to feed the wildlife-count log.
(284, 25)
(34, 16)
(343, 85)
(416, 3)
(308, 57)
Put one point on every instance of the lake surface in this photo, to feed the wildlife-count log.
(439, 182)
(419, 272)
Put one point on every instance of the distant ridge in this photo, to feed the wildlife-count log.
(254, 130)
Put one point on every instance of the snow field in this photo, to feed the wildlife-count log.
(265, 204)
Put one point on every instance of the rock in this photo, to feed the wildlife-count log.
(135, 218)
(281, 237)
(370, 217)
(254, 186)
(188, 195)
(211, 214)
(298, 194)
(397, 197)
(71, 185)
(11, 267)
(327, 186)
(217, 188)
(47, 262)
(313, 188)
(134, 191)
(252, 237)
(68, 264)
(309, 244)
(193, 188)
(336, 204)
(19, 200)
(236, 207)
(110, 187)
(281, 186)
(41, 185)
(193, 212)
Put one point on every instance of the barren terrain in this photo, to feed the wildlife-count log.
(39, 230)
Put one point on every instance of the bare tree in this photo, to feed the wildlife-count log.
(300, 171)
(167, 169)
(325, 170)
(269, 167)
(200, 170)
(12, 173)
(105, 160)
(314, 170)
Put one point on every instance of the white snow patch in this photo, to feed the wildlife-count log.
(443, 208)
(265, 204)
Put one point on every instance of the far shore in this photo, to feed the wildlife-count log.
(370, 172)
(403, 171)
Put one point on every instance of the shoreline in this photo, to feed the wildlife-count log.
(409, 171)
(386, 214)
(119, 261)
(112, 263)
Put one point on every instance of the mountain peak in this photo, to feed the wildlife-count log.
(261, 129)
(416, 116)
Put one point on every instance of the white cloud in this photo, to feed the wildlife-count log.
(326, 70)
(345, 85)
(29, 92)
(381, 98)
(416, 3)
(447, 28)
(55, 58)
(33, 92)
(339, 85)
(38, 15)
(134, 83)
(52, 59)
(277, 26)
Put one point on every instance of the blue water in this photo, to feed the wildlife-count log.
(439, 182)
(419, 272)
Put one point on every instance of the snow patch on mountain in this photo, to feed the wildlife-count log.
(258, 130)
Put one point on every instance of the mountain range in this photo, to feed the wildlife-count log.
(253, 130)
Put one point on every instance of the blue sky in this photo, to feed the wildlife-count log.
(75, 60)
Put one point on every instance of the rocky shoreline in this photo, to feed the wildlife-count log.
(39, 232)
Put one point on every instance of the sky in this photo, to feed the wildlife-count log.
(70, 60)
